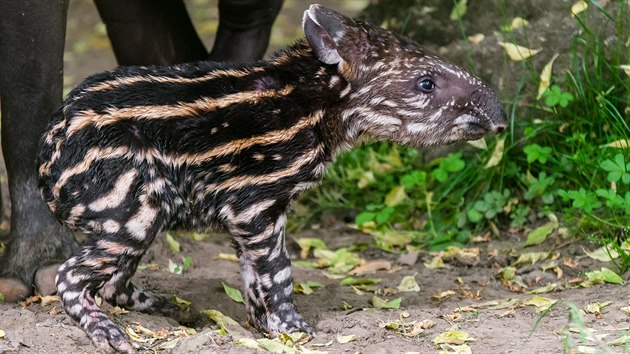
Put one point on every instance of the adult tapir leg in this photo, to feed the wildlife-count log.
(32, 36)
(244, 29)
(146, 32)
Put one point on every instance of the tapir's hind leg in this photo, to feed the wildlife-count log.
(106, 263)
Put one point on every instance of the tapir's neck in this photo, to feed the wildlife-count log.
(317, 89)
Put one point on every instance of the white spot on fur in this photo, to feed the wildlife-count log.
(138, 225)
(111, 226)
(282, 275)
(118, 193)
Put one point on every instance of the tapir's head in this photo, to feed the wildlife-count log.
(396, 90)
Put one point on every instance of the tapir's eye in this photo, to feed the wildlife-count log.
(426, 85)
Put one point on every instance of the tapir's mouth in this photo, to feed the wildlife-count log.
(474, 127)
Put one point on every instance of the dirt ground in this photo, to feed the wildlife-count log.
(474, 304)
(507, 329)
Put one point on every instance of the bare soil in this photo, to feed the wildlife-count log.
(43, 329)
(334, 309)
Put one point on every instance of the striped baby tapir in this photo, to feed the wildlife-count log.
(138, 150)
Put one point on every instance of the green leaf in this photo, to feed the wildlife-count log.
(308, 243)
(379, 303)
(474, 216)
(610, 276)
(415, 178)
(173, 245)
(186, 262)
(364, 217)
(604, 275)
(342, 261)
(183, 304)
(539, 235)
(363, 281)
(384, 215)
(306, 288)
(233, 293)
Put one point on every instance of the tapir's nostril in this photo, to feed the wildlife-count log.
(499, 128)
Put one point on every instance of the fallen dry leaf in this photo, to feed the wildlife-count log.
(436, 262)
(579, 7)
(569, 262)
(545, 289)
(409, 284)
(545, 77)
(443, 295)
(621, 143)
(455, 349)
(541, 303)
(596, 307)
(453, 336)
(371, 267)
(508, 313)
(476, 38)
(49, 299)
(231, 257)
(479, 144)
(517, 52)
(345, 339)
(497, 153)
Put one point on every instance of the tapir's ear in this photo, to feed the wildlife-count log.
(324, 30)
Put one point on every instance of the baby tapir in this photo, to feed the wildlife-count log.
(141, 149)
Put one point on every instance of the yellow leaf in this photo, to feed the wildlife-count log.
(476, 38)
(436, 262)
(545, 77)
(345, 339)
(2, 334)
(618, 144)
(227, 257)
(626, 309)
(396, 196)
(519, 22)
(219, 318)
(578, 7)
(596, 307)
(455, 349)
(517, 52)
(544, 289)
(479, 144)
(541, 303)
(453, 337)
(408, 284)
(497, 153)
(459, 10)
(626, 67)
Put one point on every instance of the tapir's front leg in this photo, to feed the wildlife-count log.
(266, 269)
